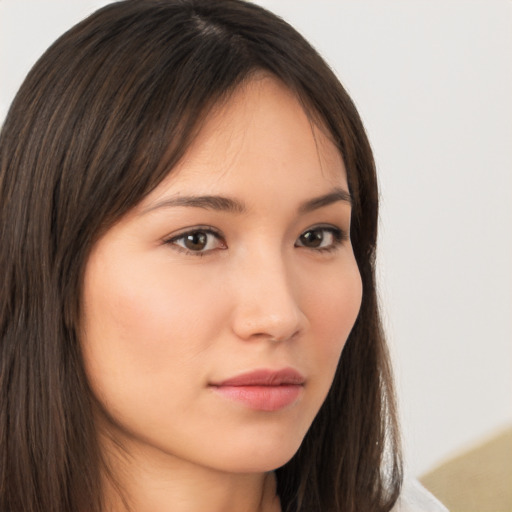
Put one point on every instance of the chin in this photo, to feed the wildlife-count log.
(260, 456)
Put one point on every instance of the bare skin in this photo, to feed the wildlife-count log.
(151, 491)
(239, 261)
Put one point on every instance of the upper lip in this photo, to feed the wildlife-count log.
(265, 377)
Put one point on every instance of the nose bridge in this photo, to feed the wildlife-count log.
(267, 304)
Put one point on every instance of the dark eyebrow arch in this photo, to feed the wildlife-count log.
(338, 194)
(206, 202)
(228, 204)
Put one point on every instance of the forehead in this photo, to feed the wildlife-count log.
(261, 134)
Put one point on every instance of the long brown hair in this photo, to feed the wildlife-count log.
(101, 118)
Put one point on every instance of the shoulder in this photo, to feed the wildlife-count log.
(415, 498)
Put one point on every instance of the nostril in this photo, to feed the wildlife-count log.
(275, 339)
(256, 324)
(265, 303)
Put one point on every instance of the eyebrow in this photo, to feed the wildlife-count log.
(338, 194)
(228, 204)
(218, 203)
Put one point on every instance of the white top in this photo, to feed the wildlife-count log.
(415, 498)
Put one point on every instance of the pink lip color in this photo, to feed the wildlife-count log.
(263, 390)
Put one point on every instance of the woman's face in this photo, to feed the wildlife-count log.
(215, 312)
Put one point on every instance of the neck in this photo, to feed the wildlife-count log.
(145, 482)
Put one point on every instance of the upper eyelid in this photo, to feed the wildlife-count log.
(173, 241)
(187, 231)
(217, 232)
(344, 234)
(328, 227)
(334, 229)
(322, 225)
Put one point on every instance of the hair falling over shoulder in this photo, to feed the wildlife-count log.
(109, 108)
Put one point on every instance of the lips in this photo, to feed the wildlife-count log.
(263, 390)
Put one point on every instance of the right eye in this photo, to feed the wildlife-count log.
(197, 241)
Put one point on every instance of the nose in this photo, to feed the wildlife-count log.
(266, 301)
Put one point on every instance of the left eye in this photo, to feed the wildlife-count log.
(198, 241)
(322, 238)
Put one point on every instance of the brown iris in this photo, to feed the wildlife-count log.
(196, 241)
(312, 238)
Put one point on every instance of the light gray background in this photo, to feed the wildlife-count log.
(433, 82)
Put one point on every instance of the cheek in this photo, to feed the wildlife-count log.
(333, 311)
(139, 322)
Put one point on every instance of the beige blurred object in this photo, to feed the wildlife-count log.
(479, 480)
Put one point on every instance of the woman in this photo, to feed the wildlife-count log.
(188, 312)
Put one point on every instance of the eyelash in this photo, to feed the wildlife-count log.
(339, 236)
(207, 230)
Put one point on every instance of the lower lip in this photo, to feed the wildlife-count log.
(262, 398)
